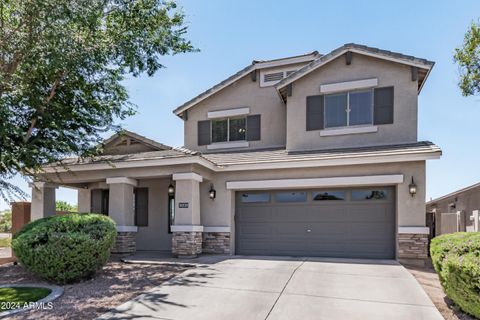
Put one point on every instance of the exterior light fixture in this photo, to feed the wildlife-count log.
(412, 188)
(212, 193)
(171, 190)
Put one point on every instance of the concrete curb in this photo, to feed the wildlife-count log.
(165, 263)
(55, 294)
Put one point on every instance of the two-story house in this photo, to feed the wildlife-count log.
(312, 155)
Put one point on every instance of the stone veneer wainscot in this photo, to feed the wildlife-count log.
(413, 248)
(216, 242)
(187, 244)
(125, 243)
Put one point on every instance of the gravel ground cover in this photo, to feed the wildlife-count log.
(428, 279)
(115, 284)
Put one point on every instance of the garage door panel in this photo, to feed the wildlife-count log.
(327, 229)
(326, 214)
(289, 245)
(255, 229)
(250, 214)
(373, 230)
(369, 214)
(292, 228)
(343, 228)
(289, 213)
(255, 246)
(328, 248)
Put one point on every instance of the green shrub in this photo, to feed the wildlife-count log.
(65, 249)
(456, 258)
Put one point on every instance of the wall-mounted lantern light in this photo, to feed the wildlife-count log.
(212, 193)
(171, 190)
(412, 188)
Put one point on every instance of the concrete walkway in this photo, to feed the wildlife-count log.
(285, 288)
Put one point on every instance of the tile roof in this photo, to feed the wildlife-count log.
(454, 193)
(317, 59)
(149, 155)
(225, 159)
(138, 137)
(253, 66)
(282, 155)
(352, 46)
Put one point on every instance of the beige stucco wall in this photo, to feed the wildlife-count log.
(155, 236)
(285, 124)
(187, 191)
(404, 128)
(90, 176)
(220, 212)
(243, 93)
(410, 210)
(124, 149)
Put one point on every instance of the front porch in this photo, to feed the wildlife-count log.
(150, 216)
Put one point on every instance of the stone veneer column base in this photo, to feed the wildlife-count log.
(125, 243)
(413, 248)
(216, 242)
(186, 244)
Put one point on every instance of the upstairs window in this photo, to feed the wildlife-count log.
(229, 129)
(353, 108)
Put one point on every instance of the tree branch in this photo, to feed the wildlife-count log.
(42, 108)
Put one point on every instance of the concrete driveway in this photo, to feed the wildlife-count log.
(285, 288)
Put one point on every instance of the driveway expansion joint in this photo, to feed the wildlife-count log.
(284, 287)
(360, 300)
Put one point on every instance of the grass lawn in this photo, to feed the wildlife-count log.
(5, 242)
(11, 298)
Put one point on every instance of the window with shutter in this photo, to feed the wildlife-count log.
(141, 207)
(203, 134)
(383, 105)
(229, 129)
(347, 109)
(99, 201)
(314, 113)
(254, 127)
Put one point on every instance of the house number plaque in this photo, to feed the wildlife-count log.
(183, 204)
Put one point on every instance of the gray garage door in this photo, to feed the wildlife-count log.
(353, 223)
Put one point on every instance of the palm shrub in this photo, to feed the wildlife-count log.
(456, 258)
(65, 249)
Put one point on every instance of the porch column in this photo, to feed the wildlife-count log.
(84, 200)
(121, 210)
(187, 231)
(43, 200)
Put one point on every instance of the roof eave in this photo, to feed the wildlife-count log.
(297, 75)
(256, 65)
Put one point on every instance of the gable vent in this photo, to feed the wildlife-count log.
(271, 78)
(277, 76)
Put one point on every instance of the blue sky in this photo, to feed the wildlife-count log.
(230, 34)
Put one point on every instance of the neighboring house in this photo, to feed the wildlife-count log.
(465, 200)
(310, 155)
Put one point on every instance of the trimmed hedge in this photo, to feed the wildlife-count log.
(456, 258)
(65, 249)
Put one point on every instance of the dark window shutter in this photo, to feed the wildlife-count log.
(383, 106)
(105, 201)
(204, 132)
(141, 207)
(254, 127)
(314, 113)
(96, 201)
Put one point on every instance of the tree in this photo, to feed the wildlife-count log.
(65, 206)
(6, 221)
(61, 69)
(468, 58)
